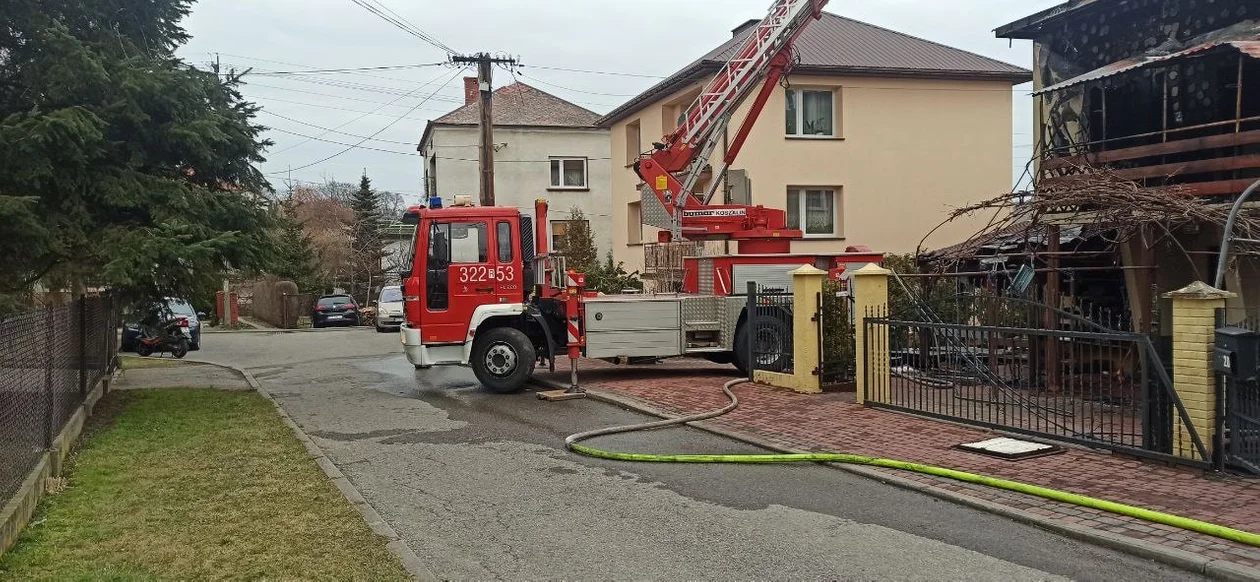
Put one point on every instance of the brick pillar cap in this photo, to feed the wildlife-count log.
(808, 270)
(872, 269)
(1199, 290)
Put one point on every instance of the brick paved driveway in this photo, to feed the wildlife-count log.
(834, 423)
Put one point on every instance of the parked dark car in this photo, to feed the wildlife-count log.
(335, 310)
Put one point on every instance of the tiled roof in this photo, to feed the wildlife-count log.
(520, 104)
(842, 46)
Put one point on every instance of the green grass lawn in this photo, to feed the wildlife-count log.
(139, 363)
(196, 484)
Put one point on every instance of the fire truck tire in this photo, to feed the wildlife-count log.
(503, 359)
(775, 340)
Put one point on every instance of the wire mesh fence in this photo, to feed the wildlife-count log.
(50, 358)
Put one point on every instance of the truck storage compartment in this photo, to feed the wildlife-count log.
(629, 314)
(633, 327)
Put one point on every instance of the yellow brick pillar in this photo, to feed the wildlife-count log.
(1194, 337)
(807, 285)
(870, 294)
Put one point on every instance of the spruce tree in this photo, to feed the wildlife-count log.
(120, 164)
(366, 242)
(577, 244)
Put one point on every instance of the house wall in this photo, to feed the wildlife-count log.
(907, 151)
(523, 171)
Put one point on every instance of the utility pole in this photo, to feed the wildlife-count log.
(485, 159)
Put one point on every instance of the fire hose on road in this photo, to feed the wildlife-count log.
(573, 443)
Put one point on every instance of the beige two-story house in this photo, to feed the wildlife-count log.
(875, 137)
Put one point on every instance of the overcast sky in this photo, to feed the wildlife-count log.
(640, 37)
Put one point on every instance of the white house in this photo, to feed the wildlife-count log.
(545, 147)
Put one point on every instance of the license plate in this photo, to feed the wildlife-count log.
(334, 317)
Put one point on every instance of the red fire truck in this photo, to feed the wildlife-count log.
(484, 291)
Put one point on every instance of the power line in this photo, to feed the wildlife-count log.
(327, 180)
(381, 130)
(401, 23)
(353, 146)
(515, 161)
(365, 115)
(610, 73)
(549, 84)
(291, 64)
(326, 129)
(348, 70)
(335, 108)
(390, 103)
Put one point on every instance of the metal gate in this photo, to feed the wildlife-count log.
(1238, 434)
(769, 329)
(837, 355)
(1023, 366)
(1242, 425)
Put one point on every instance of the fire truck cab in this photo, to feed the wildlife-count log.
(482, 291)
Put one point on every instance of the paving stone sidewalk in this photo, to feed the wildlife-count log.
(834, 423)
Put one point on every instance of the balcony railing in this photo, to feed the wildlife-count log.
(1209, 165)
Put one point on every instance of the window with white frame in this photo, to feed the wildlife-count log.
(568, 173)
(814, 211)
(811, 113)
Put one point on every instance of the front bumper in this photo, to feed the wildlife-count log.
(425, 356)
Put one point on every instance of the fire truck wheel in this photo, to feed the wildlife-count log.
(773, 343)
(503, 359)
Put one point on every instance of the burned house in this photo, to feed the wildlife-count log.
(1163, 95)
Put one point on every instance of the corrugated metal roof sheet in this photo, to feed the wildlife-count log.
(1244, 38)
(1029, 26)
(843, 46)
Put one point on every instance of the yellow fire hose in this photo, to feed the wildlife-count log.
(572, 442)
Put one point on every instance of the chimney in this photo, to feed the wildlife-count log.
(472, 90)
(745, 26)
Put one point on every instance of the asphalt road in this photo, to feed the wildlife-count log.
(480, 487)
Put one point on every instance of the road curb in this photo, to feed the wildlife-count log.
(1189, 561)
(410, 561)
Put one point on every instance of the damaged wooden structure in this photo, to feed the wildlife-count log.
(1147, 127)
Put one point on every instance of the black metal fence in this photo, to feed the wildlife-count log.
(50, 358)
(1025, 367)
(769, 328)
(1238, 418)
(837, 357)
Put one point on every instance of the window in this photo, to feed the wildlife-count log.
(568, 173)
(818, 207)
(634, 142)
(810, 113)
(458, 243)
(634, 224)
(335, 301)
(391, 295)
(504, 236)
(560, 229)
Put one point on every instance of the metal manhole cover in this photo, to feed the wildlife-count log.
(1010, 449)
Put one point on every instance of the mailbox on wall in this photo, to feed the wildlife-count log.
(1237, 352)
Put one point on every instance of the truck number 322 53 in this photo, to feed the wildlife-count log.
(482, 273)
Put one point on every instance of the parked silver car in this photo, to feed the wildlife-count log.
(389, 309)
